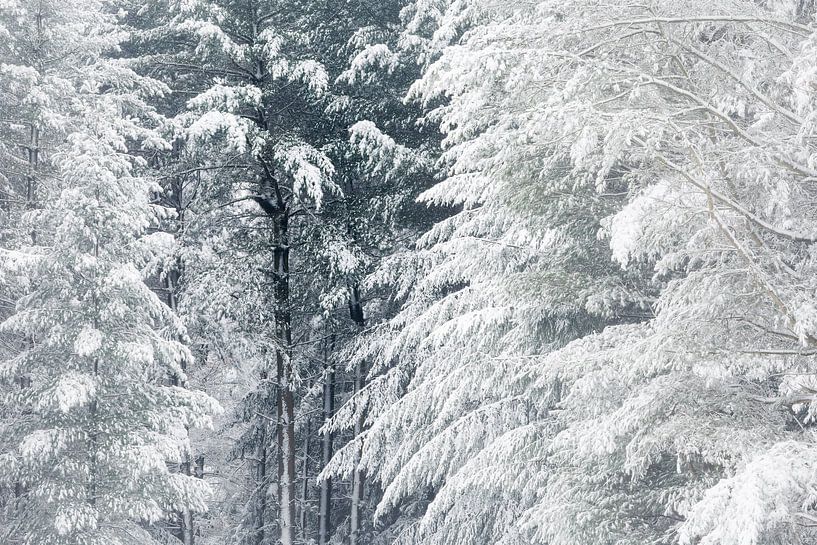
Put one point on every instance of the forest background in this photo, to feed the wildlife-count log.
(408, 271)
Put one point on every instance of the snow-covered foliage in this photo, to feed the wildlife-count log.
(256, 73)
(95, 420)
(284, 213)
(555, 259)
(614, 163)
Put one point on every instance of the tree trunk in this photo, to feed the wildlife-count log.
(198, 472)
(325, 508)
(186, 514)
(286, 395)
(33, 149)
(305, 481)
(186, 531)
(358, 476)
(260, 482)
(286, 467)
(275, 207)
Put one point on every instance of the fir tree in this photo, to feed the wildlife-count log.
(96, 421)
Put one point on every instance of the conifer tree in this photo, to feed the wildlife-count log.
(237, 151)
(667, 188)
(96, 421)
(255, 89)
(584, 314)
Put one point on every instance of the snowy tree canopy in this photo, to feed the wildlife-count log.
(408, 272)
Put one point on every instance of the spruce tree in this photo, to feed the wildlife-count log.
(96, 420)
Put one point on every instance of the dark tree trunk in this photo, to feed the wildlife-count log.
(186, 521)
(358, 476)
(325, 508)
(259, 505)
(285, 421)
(305, 481)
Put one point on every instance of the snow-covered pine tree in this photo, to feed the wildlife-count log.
(19, 151)
(336, 243)
(517, 271)
(711, 128)
(683, 131)
(96, 422)
(380, 179)
(263, 182)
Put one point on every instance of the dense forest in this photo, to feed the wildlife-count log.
(409, 272)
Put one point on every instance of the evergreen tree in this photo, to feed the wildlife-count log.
(461, 271)
(689, 156)
(333, 238)
(96, 420)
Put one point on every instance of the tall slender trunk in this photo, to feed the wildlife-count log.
(93, 443)
(259, 467)
(286, 394)
(93, 434)
(198, 472)
(33, 149)
(275, 206)
(33, 153)
(186, 531)
(305, 481)
(187, 513)
(358, 476)
(185, 518)
(325, 508)
(261, 454)
(286, 467)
